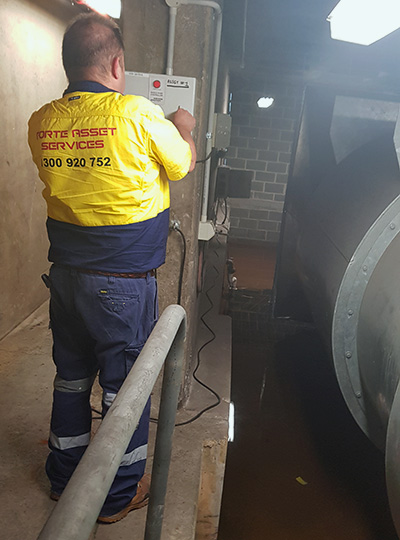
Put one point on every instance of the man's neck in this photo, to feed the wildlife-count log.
(87, 86)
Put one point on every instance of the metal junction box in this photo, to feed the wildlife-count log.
(168, 91)
(222, 130)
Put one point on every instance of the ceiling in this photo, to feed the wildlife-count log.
(288, 21)
(280, 28)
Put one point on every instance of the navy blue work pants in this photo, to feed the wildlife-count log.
(99, 325)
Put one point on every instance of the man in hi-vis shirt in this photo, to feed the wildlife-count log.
(105, 160)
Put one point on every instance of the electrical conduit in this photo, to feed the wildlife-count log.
(173, 4)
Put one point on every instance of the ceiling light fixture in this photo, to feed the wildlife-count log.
(364, 21)
(265, 102)
(104, 7)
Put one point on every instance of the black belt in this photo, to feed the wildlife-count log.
(131, 275)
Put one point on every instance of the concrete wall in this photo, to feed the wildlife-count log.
(30, 72)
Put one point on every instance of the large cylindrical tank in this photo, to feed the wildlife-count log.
(339, 256)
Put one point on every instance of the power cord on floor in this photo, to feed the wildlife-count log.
(211, 390)
(213, 405)
(100, 417)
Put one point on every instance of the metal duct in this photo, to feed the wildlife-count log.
(339, 257)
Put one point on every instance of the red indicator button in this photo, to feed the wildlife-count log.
(156, 84)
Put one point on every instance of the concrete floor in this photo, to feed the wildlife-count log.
(199, 448)
(26, 377)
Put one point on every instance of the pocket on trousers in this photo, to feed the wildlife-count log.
(117, 301)
(131, 355)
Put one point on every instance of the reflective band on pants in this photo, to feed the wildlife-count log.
(64, 443)
(108, 399)
(136, 455)
(80, 385)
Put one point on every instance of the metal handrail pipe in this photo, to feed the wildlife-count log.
(163, 446)
(79, 506)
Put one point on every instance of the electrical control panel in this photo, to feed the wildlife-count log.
(168, 91)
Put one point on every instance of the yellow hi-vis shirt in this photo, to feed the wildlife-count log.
(105, 160)
(101, 155)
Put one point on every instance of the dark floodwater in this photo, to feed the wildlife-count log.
(299, 467)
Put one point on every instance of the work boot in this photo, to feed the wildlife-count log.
(140, 500)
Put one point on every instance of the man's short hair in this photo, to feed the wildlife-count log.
(90, 41)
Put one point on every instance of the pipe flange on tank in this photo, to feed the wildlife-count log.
(349, 365)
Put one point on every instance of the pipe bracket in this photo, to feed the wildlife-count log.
(173, 3)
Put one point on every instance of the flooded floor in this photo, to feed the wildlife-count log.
(299, 467)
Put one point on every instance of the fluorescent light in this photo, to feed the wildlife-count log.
(104, 7)
(265, 102)
(231, 428)
(364, 21)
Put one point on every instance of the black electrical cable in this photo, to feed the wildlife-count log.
(182, 264)
(216, 210)
(226, 211)
(199, 414)
(198, 365)
(100, 417)
(206, 158)
(213, 405)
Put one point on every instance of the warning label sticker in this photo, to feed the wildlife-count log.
(156, 91)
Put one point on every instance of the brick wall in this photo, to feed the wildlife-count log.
(255, 224)
(261, 142)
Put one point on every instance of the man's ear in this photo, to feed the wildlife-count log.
(116, 67)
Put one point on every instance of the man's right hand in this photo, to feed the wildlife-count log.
(183, 120)
(185, 123)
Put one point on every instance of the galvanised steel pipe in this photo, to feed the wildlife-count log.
(173, 11)
(163, 446)
(78, 508)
